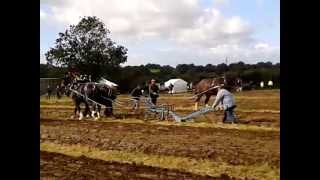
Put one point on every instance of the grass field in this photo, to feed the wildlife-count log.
(127, 146)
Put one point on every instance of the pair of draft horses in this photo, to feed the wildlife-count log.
(91, 95)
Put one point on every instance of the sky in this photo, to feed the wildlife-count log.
(175, 32)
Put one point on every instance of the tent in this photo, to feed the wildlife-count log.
(179, 85)
(109, 83)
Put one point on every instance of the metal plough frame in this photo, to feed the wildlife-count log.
(165, 112)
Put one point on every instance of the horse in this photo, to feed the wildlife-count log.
(103, 95)
(94, 95)
(206, 87)
(76, 92)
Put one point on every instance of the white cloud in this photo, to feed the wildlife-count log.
(131, 18)
(261, 46)
(190, 31)
(181, 20)
(221, 2)
(201, 56)
(43, 15)
(259, 52)
(42, 58)
(212, 29)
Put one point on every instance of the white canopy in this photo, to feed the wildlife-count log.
(179, 85)
(109, 83)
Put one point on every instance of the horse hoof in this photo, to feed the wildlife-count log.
(80, 116)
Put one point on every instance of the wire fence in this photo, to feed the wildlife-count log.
(51, 82)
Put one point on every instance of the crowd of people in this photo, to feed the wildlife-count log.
(69, 77)
(77, 78)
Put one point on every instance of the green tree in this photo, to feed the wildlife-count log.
(87, 47)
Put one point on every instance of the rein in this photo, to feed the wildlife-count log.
(78, 93)
(203, 92)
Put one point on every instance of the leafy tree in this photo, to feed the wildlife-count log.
(221, 68)
(129, 77)
(183, 68)
(87, 47)
(210, 68)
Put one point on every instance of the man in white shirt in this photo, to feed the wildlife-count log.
(228, 103)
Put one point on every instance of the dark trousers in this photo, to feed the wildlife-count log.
(49, 94)
(58, 95)
(154, 100)
(229, 115)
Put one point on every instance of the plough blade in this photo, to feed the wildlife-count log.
(192, 115)
(154, 109)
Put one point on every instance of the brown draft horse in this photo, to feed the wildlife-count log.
(205, 87)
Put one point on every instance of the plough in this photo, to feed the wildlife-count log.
(165, 111)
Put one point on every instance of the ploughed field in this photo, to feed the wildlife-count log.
(130, 146)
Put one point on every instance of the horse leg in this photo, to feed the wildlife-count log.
(98, 111)
(197, 102)
(93, 112)
(108, 110)
(207, 100)
(76, 109)
(87, 110)
(80, 114)
(75, 112)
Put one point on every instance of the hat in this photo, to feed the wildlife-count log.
(153, 80)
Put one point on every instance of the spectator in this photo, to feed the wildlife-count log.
(136, 94)
(153, 91)
(171, 88)
(58, 92)
(49, 91)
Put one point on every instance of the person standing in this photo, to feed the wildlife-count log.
(227, 102)
(58, 92)
(49, 91)
(171, 88)
(153, 91)
(89, 78)
(136, 94)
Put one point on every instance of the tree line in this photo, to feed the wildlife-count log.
(128, 77)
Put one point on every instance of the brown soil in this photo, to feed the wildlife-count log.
(59, 166)
(235, 147)
(265, 119)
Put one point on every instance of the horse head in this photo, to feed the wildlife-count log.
(106, 91)
(230, 83)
